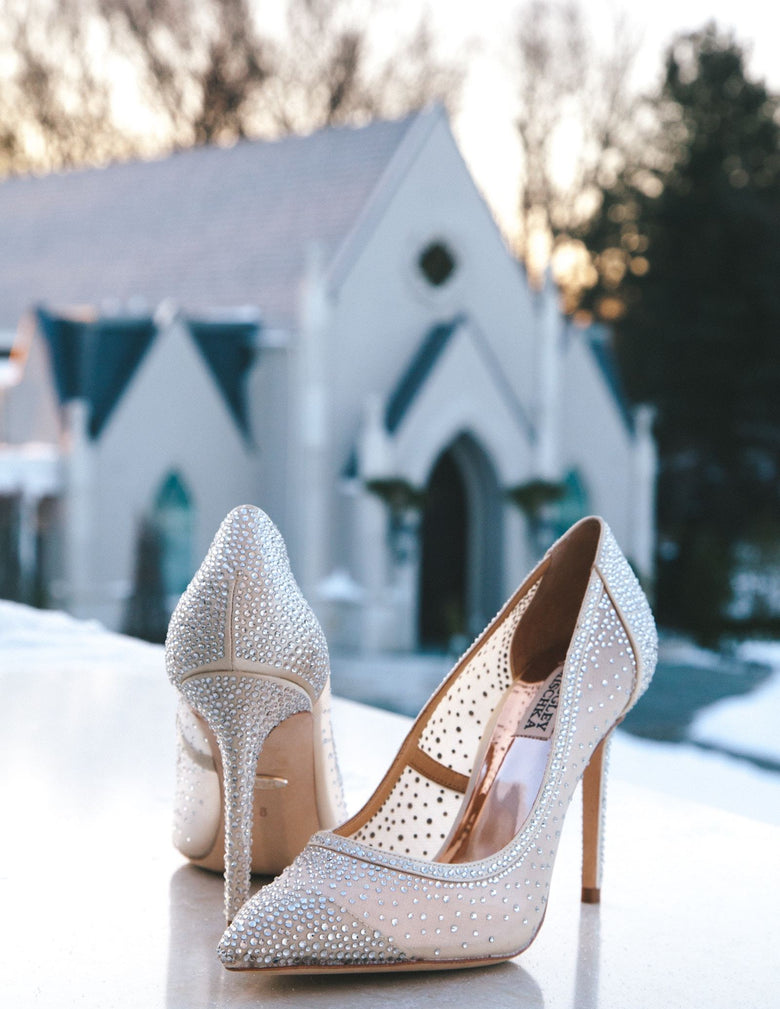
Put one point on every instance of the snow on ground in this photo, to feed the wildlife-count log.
(37, 639)
(40, 641)
(681, 651)
(748, 724)
(687, 772)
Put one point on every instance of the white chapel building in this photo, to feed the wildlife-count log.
(330, 327)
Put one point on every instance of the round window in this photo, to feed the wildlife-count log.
(437, 263)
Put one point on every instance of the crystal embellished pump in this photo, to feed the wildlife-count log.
(256, 766)
(449, 862)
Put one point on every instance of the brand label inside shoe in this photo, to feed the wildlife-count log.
(538, 724)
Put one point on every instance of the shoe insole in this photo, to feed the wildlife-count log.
(508, 773)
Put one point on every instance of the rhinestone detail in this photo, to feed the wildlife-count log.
(309, 928)
(433, 912)
(270, 623)
(473, 696)
(632, 605)
(243, 606)
(241, 710)
(197, 807)
(418, 814)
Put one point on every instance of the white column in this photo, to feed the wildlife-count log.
(518, 557)
(79, 532)
(27, 543)
(375, 450)
(371, 550)
(371, 556)
(644, 483)
(311, 475)
(548, 378)
(406, 587)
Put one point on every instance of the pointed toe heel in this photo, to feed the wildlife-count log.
(257, 771)
(240, 710)
(449, 863)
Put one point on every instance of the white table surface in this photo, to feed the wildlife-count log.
(99, 910)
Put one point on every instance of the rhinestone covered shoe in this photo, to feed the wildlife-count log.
(256, 766)
(449, 862)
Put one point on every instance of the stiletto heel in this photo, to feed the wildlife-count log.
(594, 783)
(240, 710)
(449, 863)
(256, 769)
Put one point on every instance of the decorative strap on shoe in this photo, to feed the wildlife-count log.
(438, 773)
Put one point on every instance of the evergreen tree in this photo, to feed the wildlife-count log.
(688, 253)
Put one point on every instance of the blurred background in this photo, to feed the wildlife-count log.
(427, 284)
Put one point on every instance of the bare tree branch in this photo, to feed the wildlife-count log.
(200, 66)
(576, 119)
(196, 73)
(327, 71)
(55, 108)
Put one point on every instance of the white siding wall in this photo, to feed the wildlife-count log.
(461, 395)
(172, 416)
(596, 440)
(31, 409)
(269, 402)
(384, 307)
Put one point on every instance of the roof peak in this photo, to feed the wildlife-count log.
(202, 226)
(399, 123)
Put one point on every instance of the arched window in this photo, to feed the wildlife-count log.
(173, 518)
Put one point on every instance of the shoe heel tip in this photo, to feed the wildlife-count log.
(591, 895)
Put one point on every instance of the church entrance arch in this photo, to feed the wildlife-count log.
(461, 537)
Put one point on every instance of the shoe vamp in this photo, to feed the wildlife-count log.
(328, 908)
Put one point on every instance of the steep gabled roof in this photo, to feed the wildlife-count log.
(207, 227)
(423, 361)
(413, 378)
(96, 360)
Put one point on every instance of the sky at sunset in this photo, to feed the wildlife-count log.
(481, 34)
(484, 125)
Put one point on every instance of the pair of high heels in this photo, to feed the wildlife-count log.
(449, 862)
